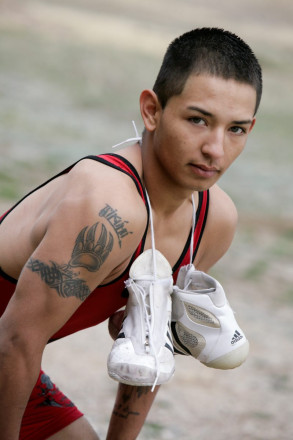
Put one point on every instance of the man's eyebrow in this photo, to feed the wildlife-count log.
(200, 110)
(246, 121)
(206, 113)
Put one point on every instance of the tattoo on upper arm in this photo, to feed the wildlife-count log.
(61, 278)
(88, 253)
(116, 222)
(125, 409)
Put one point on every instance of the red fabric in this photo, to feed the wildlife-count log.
(199, 228)
(47, 412)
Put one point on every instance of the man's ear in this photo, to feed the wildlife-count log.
(252, 125)
(150, 109)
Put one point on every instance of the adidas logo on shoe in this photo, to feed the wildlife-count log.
(237, 337)
(203, 321)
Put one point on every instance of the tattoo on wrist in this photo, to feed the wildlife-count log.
(116, 222)
(87, 253)
(125, 408)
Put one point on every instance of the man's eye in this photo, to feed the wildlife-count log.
(238, 130)
(197, 120)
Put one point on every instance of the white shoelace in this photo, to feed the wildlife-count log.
(137, 138)
(151, 290)
(147, 307)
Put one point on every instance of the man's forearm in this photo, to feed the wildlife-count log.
(19, 371)
(15, 389)
(130, 411)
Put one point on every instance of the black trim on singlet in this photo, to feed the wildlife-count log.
(98, 159)
(139, 188)
(203, 224)
(187, 244)
(133, 169)
(110, 164)
(39, 187)
(7, 277)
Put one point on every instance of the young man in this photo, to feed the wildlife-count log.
(67, 247)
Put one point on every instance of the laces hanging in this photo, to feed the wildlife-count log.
(137, 138)
(152, 236)
(147, 305)
(192, 230)
(149, 338)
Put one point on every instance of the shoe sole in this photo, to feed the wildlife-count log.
(147, 383)
(191, 343)
(230, 360)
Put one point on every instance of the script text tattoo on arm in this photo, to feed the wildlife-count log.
(116, 222)
(88, 253)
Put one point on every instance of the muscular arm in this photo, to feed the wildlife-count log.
(47, 294)
(79, 249)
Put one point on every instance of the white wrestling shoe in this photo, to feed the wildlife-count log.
(143, 352)
(203, 323)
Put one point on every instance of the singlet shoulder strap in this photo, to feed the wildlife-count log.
(120, 163)
(114, 160)
(201, 216)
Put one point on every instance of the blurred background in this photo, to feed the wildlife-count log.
(71, 72)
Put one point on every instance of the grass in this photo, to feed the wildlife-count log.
(288, 296)
(256, 270)
(8, 187)
(63, 98)
(153, 430)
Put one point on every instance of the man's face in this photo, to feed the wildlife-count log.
(202, 131)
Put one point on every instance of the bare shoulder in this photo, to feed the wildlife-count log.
(98, 193)
(222, 208)
(220, 228)
(93, 184)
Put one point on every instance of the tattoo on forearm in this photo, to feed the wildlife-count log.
(125, 409)
(116, 222)
(87, 253)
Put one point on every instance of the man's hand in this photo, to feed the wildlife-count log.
(115, 323)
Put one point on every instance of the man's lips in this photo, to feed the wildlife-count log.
(203, 170)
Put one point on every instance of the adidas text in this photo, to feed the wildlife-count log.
(237, 337)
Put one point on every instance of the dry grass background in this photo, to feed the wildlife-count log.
(71, 73)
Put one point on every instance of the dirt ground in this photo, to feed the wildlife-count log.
(253, 402)
(39, 107)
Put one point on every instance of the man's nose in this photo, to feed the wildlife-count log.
(213, 145)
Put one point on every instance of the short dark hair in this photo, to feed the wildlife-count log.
(211, 51)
